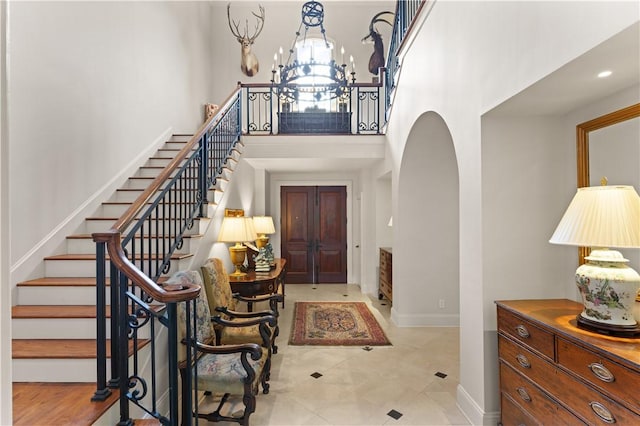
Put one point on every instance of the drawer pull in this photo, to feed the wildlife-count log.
(523, 394)
(523, 361)
(522, 331)
(601, 372)
(602, 412)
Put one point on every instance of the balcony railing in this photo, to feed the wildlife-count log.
(405, 18)
(358, 111)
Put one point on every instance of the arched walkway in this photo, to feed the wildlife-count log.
(426, 232)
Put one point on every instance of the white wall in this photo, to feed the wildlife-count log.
(91, 88)
(5, 289)
(468, 58)
(426, 228)
(384, 232)
(526, 163)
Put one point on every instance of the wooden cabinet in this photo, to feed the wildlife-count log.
(552, 372)
(386, 287)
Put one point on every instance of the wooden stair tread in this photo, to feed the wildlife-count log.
(92, 256)
(42, 403)
(116, 218)
(61, 282)
(61, 348)
(62, 311)
(56, 311)
(90, 236)
(67, 282)
(144, 422)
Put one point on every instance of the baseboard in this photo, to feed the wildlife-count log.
(31, 265)
(424, 320)
(472, 410)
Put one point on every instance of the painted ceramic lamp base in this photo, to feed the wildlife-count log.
(608, 288)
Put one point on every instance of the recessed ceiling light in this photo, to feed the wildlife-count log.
(604, 74)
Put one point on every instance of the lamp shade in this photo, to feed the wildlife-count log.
(264, 224)
(601, 216)
(237, 229)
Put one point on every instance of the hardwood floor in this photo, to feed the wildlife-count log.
(54, 404)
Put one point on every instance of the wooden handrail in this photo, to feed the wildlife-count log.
(266, 85)
(176, 294)
(129, 215)
(113, 237)
(410, 26)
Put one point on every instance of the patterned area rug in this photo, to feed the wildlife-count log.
(335, 324)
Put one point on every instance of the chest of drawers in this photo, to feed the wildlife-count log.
(552, 372)
(386, 273)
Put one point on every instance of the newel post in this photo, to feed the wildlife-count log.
(102, 391)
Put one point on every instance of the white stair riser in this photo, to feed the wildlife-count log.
(87, 246)
(61, 328)
(146, 172)
(55, 370)
(176, 145)
(63, 370)
(117, 210)
(215, 196)
(125, 196)
(62, 295)
(158, 161)
(144, 183)
(87, 268)
(131, 196)
(102, 225)
(179, 138)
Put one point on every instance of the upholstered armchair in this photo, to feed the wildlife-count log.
(230, 370)
(221, 300)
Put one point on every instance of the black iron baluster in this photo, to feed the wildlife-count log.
(204, 161)
(102, 391)
(123, 358)
(114, 286)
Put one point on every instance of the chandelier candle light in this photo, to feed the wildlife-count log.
(237, 230)
(602, 217)
(331, 79)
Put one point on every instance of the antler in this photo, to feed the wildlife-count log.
(236, 33)
(259, 24)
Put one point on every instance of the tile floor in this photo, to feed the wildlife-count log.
(402, 384)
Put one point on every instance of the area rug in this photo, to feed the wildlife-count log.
(335, 324)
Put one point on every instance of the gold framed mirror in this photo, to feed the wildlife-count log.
(582, 145)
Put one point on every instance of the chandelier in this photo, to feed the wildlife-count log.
(308, 77)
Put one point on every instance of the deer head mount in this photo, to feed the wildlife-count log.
(377, 57)
(249, 62)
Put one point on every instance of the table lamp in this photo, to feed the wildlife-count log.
(602, 217)
(237, 230)
(264, 226)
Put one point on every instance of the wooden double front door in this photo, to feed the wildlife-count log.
(314, 233)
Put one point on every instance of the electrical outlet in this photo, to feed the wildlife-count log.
(441, 303)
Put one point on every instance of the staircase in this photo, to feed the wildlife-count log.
(54, 322)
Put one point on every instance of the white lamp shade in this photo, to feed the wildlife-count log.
(237, 229)
(601, 216)
(264, 224)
